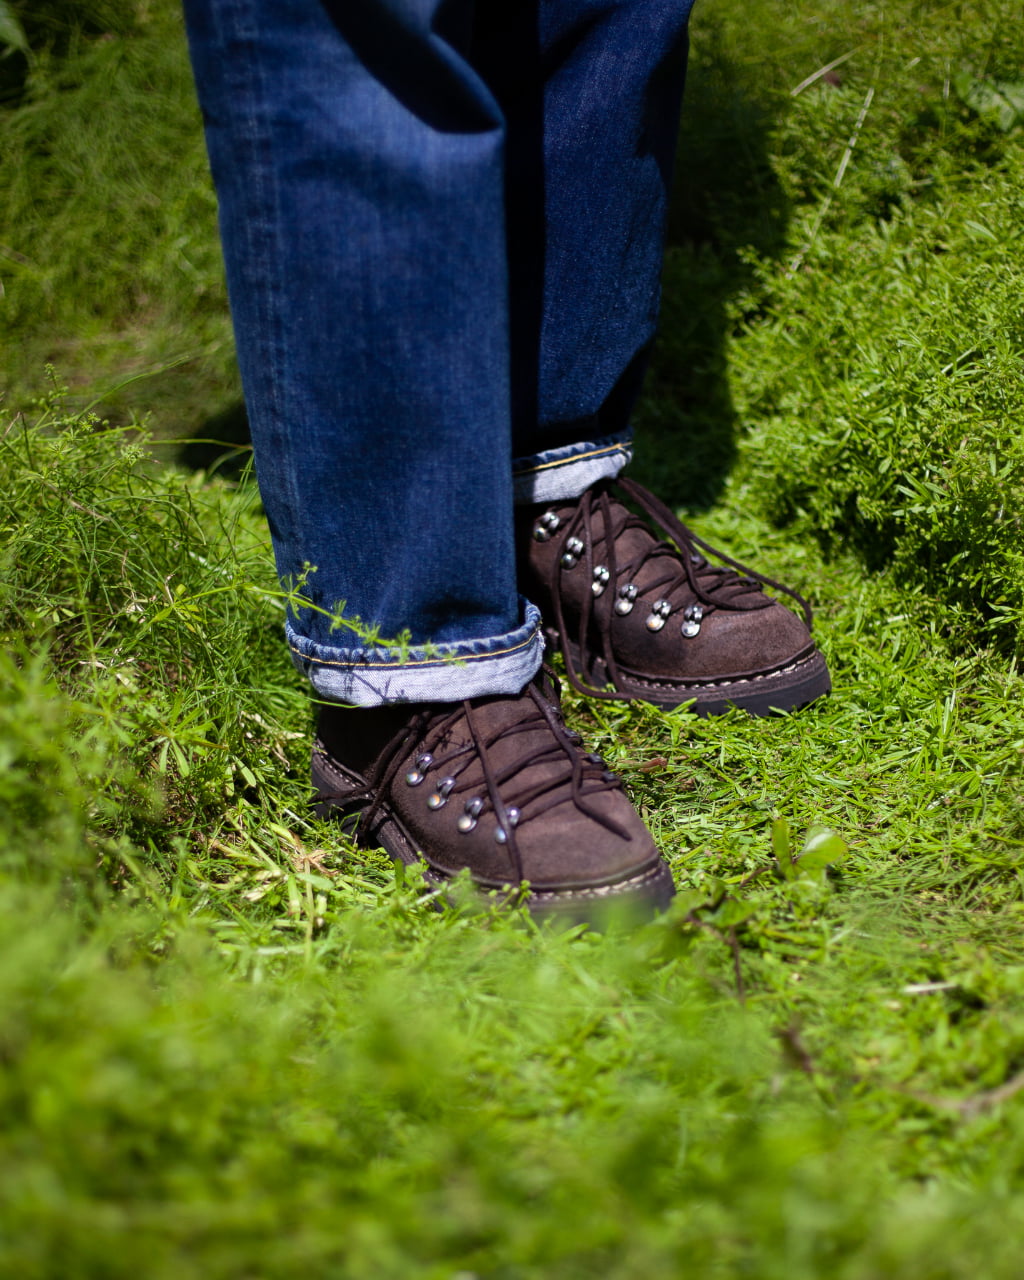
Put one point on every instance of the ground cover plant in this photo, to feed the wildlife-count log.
(232, 1043)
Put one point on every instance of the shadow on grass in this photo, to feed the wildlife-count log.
(222, 444)
(728, 206)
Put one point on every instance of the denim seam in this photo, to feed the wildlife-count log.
(263, 229)
(574, 457)
(455, 659)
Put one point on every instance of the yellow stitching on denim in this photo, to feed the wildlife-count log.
(576, 457)
(454, 659)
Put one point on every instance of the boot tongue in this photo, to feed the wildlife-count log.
(503, 719)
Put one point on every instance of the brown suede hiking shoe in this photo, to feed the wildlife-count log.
(496, 785)
(657, 620)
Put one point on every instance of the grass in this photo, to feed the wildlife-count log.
(109, 256)
(236, 1045)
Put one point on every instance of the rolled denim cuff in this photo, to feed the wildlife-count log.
(370, 677)
(557, 475)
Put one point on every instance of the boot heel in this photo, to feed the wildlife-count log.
(329, 803)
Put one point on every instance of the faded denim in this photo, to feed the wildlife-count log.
(442, 228)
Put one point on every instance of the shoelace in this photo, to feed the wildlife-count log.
(714, 587)
(585, 774)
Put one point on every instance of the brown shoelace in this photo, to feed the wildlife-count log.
(583, 774)
(734, 587)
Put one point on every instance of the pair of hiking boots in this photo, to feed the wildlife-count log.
(500, 785)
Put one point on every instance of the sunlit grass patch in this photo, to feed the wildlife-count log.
(235, 1044)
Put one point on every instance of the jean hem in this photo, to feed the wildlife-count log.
(556, 475)
(371, 677)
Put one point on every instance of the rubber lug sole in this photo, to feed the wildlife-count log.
(773, 694)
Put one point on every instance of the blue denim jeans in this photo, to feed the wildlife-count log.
(442, 225)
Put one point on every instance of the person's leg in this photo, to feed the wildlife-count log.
(591, 90)
(359, 164)
(592, 134)
(358, 160)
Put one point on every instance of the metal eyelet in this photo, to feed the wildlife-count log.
(692, 618)
(546, 526)
(468, 820)
(659, 612)
(439, 798)
(601, 579)
(500, 834)
(627, 595)
(574, 548)
(416, 775)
